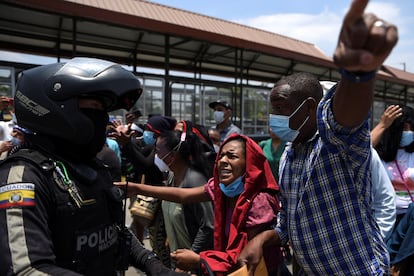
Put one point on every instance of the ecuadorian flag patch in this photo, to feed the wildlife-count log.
(17, 195)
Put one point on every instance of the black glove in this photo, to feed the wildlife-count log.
(156, 268)
(148, 262)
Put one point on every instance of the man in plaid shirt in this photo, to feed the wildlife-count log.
(325, 183)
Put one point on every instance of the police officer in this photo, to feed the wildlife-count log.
(59, 212)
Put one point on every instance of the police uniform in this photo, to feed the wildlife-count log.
(47, 223)
(60, 214)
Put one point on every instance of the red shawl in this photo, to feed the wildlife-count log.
(259, 178)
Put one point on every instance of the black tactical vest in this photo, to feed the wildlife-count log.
(85, 238)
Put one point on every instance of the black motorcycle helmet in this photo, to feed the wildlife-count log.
(46, 100)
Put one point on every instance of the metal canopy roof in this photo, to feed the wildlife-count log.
(145, 34)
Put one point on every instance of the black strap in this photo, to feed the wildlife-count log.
(205, 267)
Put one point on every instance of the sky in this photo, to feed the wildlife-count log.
(313, 21)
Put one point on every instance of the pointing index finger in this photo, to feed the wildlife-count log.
(355, 12)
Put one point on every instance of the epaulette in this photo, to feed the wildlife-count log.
(33, 156)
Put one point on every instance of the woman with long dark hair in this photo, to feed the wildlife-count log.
(186, 156)
(396, 149)
(244, 193)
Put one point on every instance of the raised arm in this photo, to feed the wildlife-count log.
(365, 41)
(174, 194)
(391, 113)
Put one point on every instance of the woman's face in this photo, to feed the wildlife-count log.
(163, 151)
(407, 127)
(232, 162)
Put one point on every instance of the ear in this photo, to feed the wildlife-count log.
(312, 105)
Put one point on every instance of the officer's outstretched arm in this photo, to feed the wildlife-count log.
(148, 262)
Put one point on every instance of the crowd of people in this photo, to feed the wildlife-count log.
(326, 186)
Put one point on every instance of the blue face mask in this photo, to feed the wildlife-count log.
(280, 125)
(148, 137)
(219, 116)
(407, 138)
(233, 189)
(15, 141)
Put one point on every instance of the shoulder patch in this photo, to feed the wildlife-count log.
(17, 195)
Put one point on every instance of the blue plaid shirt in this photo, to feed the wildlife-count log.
(326, 210)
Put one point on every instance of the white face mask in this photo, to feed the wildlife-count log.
(219, 116)
(161, 165)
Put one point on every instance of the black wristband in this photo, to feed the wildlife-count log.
(357, 77)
